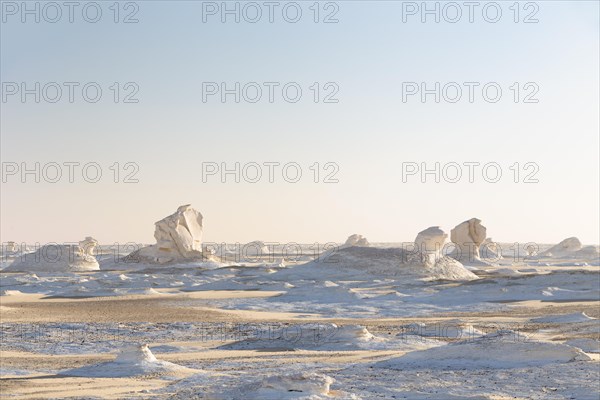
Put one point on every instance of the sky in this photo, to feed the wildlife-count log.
(162, 130)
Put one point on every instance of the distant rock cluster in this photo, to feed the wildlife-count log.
(59, 258)
(179, 240)
(571, 248)
(429, 245)
(356, 240)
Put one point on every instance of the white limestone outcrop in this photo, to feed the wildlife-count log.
(133, 361)
(564, 248)
(59, 258)
(429, 243)
(468, 236)
(178, 238)
(356, 240)
(429, 251)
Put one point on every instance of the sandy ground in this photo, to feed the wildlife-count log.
(176, 308)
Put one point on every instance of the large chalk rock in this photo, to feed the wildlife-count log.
(356, 240)
(429, 244)
(429, 252)
(564, 248)
(178, 238)
(468, 236)
(59, 258)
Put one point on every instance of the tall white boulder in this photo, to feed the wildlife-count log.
(59, 258)
(429, 244)
(429, 252)
(178, 238)
(180, 232)
(468, 236)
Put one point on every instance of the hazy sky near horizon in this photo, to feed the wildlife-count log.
(369, 55)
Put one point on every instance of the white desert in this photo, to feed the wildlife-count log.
(363, 320)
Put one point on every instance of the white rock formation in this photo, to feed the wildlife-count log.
(429, 243)
(59, 258)
(490, 250)
(11, 247)
(11, 250)
(356, 240)
(88, 246)
(136, 360)
(468, 237)
(565, 248)
(588, 253)
(429, 247)
(501, 349)
(421, 261)
(255, 249)
(178, 238)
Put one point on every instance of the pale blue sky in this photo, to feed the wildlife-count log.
(369, 133)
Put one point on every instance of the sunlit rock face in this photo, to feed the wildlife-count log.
(356, 240)
(59, 258)
(429, 244)
(429, 256)
(180, 233)
(468, 236)
(178, 238)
